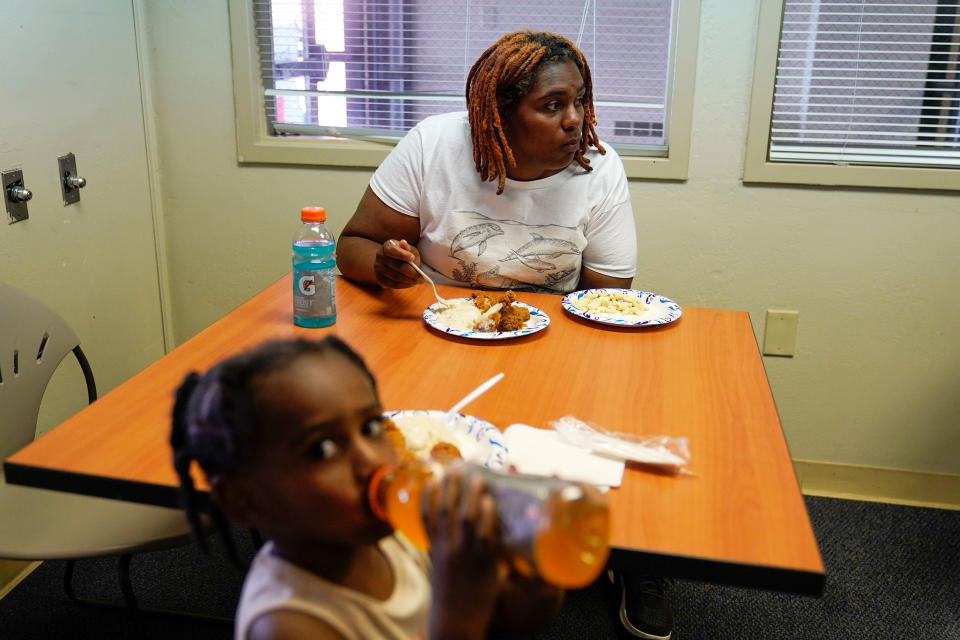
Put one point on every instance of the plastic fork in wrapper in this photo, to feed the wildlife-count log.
(666, 452)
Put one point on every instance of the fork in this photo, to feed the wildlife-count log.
(443, 301)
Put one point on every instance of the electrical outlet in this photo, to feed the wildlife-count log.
(780, 334)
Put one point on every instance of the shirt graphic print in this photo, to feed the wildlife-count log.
(483, 252)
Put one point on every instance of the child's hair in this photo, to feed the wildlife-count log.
(504, 74)
(214, 418)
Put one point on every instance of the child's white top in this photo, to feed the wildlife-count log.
(273, 584)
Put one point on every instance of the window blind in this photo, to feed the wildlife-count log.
(374, 68)
(868, 82)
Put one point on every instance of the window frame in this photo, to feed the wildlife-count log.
(758, 168)
(255, 145)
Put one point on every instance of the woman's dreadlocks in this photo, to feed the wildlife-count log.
(501, 77)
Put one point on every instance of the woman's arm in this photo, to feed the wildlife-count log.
(590, 279)
(377, 244)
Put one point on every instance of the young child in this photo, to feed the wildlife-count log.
(289, 435)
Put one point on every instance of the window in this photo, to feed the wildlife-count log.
(858, 92)
(338, 81)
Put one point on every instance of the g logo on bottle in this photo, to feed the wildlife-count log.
(307, 285)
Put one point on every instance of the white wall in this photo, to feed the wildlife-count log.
(873, 273)
(71, 83)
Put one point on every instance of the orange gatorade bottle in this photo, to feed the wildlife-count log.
(557, 529)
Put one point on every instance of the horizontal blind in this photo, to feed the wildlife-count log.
(868, 82)
(374, 68)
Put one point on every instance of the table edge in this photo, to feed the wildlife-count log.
(157, 495)
(736, 574)
(809, 583)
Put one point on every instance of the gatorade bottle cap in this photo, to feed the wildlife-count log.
(313, 214)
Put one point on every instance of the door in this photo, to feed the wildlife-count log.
(71, 83)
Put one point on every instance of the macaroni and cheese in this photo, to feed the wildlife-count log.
(614, 302)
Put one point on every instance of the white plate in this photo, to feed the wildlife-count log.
(537, 322)
(479, 441)
(661, 310)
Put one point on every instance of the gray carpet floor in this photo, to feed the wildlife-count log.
(892, 572)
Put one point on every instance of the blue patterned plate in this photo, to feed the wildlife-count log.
(537, 322)
(479, 441)
(660, 310)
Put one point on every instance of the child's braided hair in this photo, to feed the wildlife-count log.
(214, 419)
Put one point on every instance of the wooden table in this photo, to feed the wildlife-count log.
(739, 519)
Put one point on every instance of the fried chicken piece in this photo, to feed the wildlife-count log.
(482, 300)
(397, 441)
(507, 318)
(489, 322)
(512, 318)
(444, 452)
(389, 425)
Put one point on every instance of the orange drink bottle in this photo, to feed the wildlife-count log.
(549, 527)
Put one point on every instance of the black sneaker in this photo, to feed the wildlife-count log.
(644, 609)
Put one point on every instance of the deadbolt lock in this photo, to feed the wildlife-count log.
(15, 195)
(70, 182)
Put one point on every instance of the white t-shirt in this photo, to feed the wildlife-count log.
(533, 237)
(274, 584)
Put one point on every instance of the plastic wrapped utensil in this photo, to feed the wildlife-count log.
(667, 452)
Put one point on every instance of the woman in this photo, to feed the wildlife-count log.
(558, 217)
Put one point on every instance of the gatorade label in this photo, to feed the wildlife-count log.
(313, 292)
(307, 285)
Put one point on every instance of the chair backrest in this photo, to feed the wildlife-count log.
(34, 339)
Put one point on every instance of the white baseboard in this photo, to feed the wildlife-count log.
(12, 572)
(879, 484)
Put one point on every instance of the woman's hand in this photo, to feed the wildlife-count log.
(391, 264)
(464, 542)
(364, 251)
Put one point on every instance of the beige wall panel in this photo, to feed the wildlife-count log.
(229, 227)
(71, 84)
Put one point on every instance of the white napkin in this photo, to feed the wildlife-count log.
(542, 452)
